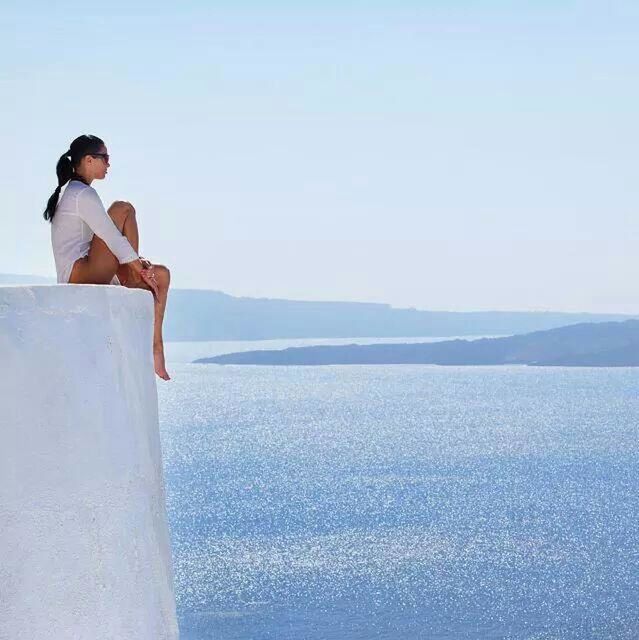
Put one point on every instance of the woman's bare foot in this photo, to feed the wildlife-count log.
(158, 361)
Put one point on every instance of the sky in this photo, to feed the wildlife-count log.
(443, 154)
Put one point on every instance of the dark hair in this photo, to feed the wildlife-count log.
(80, 147)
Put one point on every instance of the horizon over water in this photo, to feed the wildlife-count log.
(402, 501)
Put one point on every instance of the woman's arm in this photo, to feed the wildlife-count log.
(92, 211)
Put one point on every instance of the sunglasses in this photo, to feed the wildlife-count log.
(104, 156)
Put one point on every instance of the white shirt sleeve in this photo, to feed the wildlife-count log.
(92, 211)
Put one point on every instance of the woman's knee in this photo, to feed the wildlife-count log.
(120, 211)
(162, 275)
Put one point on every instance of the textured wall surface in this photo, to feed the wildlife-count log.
(84, 545)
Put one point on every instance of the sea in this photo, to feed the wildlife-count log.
(400, 501)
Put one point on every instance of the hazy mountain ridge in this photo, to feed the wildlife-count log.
(197, 315)
(607, 344)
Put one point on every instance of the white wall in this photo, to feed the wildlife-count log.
(84, 546)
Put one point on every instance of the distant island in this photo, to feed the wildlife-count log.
(609, 344)
(199, 315)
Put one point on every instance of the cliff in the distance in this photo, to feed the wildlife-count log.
(213, 315)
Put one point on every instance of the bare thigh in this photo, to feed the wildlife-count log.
(100, 265)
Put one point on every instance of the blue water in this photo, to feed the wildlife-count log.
(402, 501)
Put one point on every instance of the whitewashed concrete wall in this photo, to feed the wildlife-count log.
(84, 545)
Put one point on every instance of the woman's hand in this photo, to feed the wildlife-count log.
(148, 275)
(140, 272)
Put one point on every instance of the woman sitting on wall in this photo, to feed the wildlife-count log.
(93, 246)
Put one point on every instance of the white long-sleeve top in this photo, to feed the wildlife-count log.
(79, 215)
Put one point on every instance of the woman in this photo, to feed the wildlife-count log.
(93, 246)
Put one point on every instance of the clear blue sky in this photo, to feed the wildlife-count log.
(436, 154)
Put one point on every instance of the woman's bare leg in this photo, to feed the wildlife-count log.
(123, 216)
(101, 265)
(124, 213)
(163, 278)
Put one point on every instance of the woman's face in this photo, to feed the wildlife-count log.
(101, 163)
(96, 165)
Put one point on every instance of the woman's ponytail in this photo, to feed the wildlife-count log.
(65, 169)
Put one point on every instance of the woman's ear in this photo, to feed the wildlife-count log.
(89, 162)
